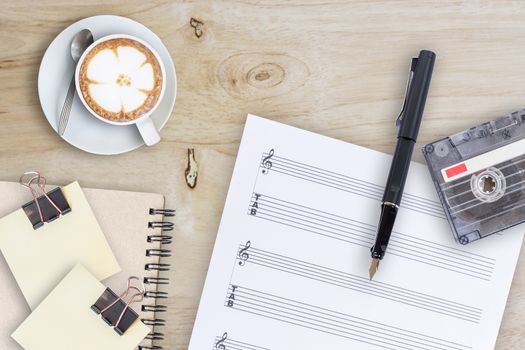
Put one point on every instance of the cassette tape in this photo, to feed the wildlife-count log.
(479, 175)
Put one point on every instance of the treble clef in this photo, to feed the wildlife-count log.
(243, 255)
(219, 344)
(267, 163)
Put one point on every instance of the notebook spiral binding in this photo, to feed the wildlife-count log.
(162, 252)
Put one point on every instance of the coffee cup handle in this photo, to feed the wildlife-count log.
(148, 131)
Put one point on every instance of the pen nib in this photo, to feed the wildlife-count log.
(373, 268)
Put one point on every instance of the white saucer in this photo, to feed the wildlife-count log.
(84, 131)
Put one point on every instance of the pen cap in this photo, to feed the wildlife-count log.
(417, 95)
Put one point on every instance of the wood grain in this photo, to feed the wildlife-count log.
(333, 67)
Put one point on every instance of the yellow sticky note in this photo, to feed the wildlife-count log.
(65, 321)
(40, 258)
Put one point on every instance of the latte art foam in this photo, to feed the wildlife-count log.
(120, 79)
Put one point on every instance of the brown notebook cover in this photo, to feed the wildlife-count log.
(135, 235)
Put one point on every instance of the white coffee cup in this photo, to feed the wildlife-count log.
(145, 125)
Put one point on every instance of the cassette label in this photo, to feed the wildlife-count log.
(483, 161)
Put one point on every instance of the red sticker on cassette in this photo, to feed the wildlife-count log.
(456, 170)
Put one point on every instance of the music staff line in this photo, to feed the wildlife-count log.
(425, 259)
(332, 322)
(403, 251)
(268, 164)
(370, 230)
(349, 184)
(360, 284)
(225, 343)
(362, 234)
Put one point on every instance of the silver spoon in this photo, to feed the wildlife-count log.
(80, 43)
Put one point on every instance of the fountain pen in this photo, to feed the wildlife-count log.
(408, 123)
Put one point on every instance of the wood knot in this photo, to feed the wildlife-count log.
(198, 26)
(262, 76)
(192, 169)
(265, 75)
(255, 76)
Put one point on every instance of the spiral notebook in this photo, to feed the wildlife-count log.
(137, 230)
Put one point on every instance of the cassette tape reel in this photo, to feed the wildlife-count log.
(479, 175)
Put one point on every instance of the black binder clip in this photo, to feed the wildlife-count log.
(46, 208)
(114, 311)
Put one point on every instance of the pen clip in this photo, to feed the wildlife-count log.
(413, 65)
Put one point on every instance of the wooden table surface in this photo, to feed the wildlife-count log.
(333, 67)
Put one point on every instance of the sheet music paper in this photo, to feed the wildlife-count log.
(290, 264)
(65, 321)
(40, 258)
